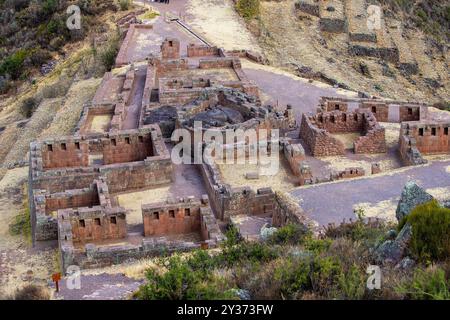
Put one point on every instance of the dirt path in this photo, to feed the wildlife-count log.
(19, 263)
(281, 87)
(333, 202)
(99, 287)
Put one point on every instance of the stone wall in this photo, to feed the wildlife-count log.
(409, 113)
(72, 237)
(379, 109)
(289, 212)
(170, 48)
(69, 152)
(122, 56)
(95, 223)
(113, 147)
(195, 50)
(332, 17)
(418, 138)
(308, 6)
(145, 143)
(177, 217)
(123, 147)
(316, 132)
(295, 155)
(72, 199)
(319, 141)
(333, 105)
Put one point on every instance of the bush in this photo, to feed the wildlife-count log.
(109, 53)
(351, 284)
(13, 65)
(247, 252)
(248, 8)
(430, 284)
(21, 224)
(293, 276)
(124, 4)
(430, 231)
(49, 7)
(181, 281)
(289, 234)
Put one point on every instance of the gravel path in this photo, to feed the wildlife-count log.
(333, 202)
(100, 287)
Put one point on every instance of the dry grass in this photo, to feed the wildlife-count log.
(347, 139)
(67, 117)
(234, 174)
(133, 201)
(392, 133)
(440, 194)
(40, 120)
(100, 123)
(219, 23)
(340, 163)
(289, 40)
(383, 210)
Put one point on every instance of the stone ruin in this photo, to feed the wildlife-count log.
(419, 138)
(316, 131)
(74, 181)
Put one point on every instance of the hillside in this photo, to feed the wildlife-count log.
(33, 35)
(406, 57)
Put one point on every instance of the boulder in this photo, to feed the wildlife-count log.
(393, 251)
(266, 232)
(412, 196)
(242, 294)
(405, 264)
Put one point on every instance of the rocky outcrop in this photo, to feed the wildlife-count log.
(412, 196)
(393, 251)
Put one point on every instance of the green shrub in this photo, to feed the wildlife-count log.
(325, 272)
(245, 252)
(293, 276)
(181, 281)
(13, 65)
(124, 4)
(289, 234)
(21, 224)
(201, 260)
(49, 7)
(109, 52)
(232, 236)
(430, 284)
(351, 284)
(430, 231)
(317, 245)
(248, 8)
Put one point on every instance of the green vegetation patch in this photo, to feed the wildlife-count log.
(248, 8)
(430, 231)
